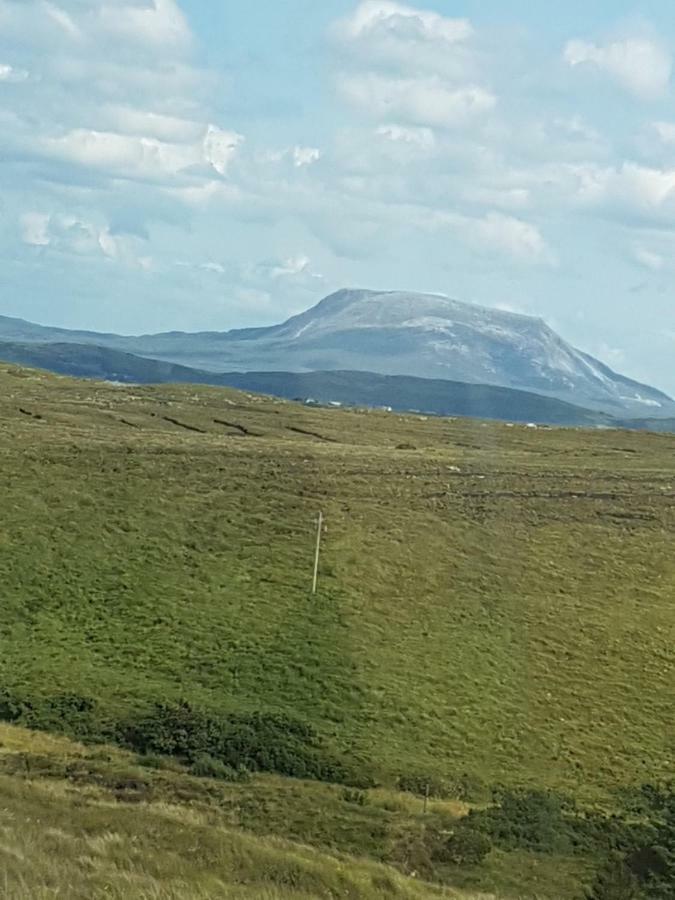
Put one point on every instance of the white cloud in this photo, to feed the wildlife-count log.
(665, 131)
(70, 234)
(516, 238)
(305, 156)
(419, 101)
(145, 123)
(158, 23)
(149, 159)
(296, 265)
(34, 229)
(639, 65)
(397, 20)
(11, 74)
(215, 267)
(420, 138)
(648, 258)
(632, 187)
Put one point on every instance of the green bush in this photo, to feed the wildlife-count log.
(70, 714)
(525, 820)
(461, 847)
(259, 742)
(614, 881)
(424, 785)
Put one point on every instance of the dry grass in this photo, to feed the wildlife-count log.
(56, 841)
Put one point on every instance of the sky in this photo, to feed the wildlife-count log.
(209, 164)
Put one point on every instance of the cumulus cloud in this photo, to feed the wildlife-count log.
(641, 66)
(70, 234)
(124, 156)
(419, 101)
(388, 19)
(383, 34)
(630, 188)
(517, 239)
(112, 91)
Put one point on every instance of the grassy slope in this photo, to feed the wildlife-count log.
(514, 620)
(90, 822)
(111, 829)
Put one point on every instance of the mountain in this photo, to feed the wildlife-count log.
(398, 392)
(395, 333)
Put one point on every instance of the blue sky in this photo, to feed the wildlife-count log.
(171, 164)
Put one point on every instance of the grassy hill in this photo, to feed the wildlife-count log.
(495, 603)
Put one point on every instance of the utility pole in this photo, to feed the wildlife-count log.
(318, 553)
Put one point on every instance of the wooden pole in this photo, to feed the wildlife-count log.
(315, 583)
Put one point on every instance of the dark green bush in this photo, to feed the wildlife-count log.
(424, 785)
(259, 742)
(614, 881)
(70, 714)
(461, 847)
(525, 820)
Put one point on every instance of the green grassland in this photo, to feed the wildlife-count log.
(494, 601)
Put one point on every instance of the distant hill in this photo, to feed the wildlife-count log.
(401, 393)
(394, 333)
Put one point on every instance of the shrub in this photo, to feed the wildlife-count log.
(70, 714)
(412, 854)
(424, 785)
(614, 881)
(461, 847)
(260, 742)
(525, 820)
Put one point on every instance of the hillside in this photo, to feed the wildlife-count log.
(393, 333)
(402, 393)
(495, 603)
(88, 824)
